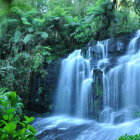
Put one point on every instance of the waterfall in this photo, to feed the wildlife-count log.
(76, 97)
(122, 86)
(75, 86)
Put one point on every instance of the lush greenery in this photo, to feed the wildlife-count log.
(130, 137)
(13, 125)
(34, 33)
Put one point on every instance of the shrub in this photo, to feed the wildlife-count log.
(130, 137)
(13, 125)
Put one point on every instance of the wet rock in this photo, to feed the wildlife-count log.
(60, 127)
(43, 89)
(119, 118)
(62, 134)
(92, 43)
(97, 92)
(105, 115)
(116, 46)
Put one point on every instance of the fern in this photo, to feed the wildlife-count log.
(28, 38)
(17, 36)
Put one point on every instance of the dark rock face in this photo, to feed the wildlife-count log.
(43, 89)
(119, 118)
(97, 92)
(116, 46)
(60, 134)
(61, 127)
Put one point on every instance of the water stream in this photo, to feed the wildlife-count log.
(74, 88)
(73, 104)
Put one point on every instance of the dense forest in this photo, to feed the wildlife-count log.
(34, 33)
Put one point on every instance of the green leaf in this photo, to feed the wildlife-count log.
(28, 119)
(57, 18)
(3, 122)
(4, 136)
(44, 35)
(37, 22)
(11, 117)
(5, 117)
(13, 95)
(22, 124)
(47, 48)
(23, 131)
(31, 128)
(30, 29)
(25, 21)
(46, 53)
(2, 90)
(17, 36)
(10, 111)
(10, 127)
(8, 117)
(27, 38)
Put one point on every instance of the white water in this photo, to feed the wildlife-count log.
(122, 85)
(74, 88)
(121, 97)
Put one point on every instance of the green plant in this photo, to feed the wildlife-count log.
(130, 137)
(33, 33)
(12, 124)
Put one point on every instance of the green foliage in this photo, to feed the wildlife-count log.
(11, 125)
(17, 36)
(33, 33)
(130, 137)
(27, 38)
(44, 35)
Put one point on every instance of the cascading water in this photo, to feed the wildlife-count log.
(121, 87)
(74, 89)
